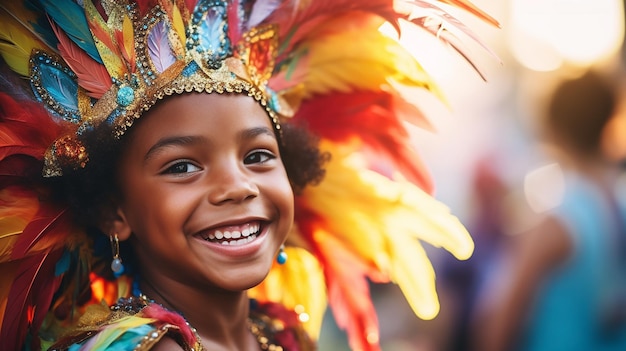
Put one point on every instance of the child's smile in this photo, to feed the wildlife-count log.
(233, 235)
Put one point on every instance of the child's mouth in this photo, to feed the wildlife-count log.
(233, 235)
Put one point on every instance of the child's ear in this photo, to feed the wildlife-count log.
(117, 224)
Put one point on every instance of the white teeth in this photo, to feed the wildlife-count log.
(235, 237)
(240, 241)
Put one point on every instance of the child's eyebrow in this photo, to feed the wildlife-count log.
(196, 139)
(256, 131)
(175, 140)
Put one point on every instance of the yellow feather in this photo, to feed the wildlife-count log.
(16, 44)
(178, 24)
(360, 63)
(129, 40)
(105, 41)
(414, 274)
(17, 209)
(299, 285)
(109, 334)
(384, 221)
(12, 227)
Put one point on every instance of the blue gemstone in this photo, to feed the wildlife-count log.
(282, 257)
(117, 266)
(125, 96)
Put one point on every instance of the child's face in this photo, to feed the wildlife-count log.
(199, 167)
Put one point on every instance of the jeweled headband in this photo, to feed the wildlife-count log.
(136, 57)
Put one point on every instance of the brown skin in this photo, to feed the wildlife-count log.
(193, 164)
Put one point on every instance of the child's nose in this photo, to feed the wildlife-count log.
(231, 183)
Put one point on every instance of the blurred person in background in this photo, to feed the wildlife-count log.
(462, 284)
(562, 284)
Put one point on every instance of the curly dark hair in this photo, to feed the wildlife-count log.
(91, 191)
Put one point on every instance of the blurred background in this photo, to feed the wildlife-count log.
(486, 156)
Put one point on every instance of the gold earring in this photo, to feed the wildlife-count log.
(116, 265)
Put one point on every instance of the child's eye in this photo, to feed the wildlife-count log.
(181, 167)
(258, 157)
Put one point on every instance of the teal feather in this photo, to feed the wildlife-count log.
(212, 33)
(59, 84)
(63, 265)
(42, 25)
(61, 87)
(71, 18)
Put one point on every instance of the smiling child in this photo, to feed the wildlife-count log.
(206, 174)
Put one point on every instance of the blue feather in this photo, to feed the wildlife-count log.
(71, 18)
(213, 33)
(61, 87)
(56, 86)
(42, 25)
(62, 265)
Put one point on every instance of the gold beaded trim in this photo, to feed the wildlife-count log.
(258, 331)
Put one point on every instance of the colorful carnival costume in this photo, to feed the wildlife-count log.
(320, 64)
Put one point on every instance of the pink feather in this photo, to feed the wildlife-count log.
(158, 312)
(261, 10)
(235, 27)
(159, 48)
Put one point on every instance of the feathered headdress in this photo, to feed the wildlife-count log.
(324, 64)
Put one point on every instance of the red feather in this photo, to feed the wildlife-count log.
(191, 4)
(348, 289)
(234, 21)
(38, 248)
(145, 5)
(374, 118)
(91, 75)
(295, 22)
(471, 8)
(158, 312)
(25, 128)
(29, 298)
(46, 231)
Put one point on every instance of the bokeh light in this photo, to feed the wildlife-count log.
(545, 34)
